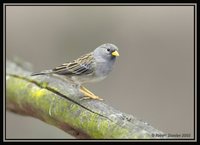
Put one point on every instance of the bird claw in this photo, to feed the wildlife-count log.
(94, 98)
(88, 94)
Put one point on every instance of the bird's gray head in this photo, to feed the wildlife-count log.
(106, 51)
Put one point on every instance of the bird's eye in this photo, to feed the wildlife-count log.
(108, 49)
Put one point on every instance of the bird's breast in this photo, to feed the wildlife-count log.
(104, 68)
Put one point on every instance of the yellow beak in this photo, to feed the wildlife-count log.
(115, 53)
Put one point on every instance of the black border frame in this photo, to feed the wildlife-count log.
(117, 4)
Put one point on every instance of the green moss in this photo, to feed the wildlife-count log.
(14, 85)
(38, 93)
(43, 84)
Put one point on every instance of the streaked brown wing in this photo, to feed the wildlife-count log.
(82, 65)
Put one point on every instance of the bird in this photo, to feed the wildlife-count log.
(91, 67)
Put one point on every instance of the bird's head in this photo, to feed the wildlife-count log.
(106, 51)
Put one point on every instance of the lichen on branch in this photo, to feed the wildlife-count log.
(57, 102)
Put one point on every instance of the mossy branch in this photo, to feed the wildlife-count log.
(59, 103)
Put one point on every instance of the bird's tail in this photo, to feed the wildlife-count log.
(45, 72)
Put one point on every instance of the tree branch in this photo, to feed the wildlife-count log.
(59, 103)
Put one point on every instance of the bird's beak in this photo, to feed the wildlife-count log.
(115, 53)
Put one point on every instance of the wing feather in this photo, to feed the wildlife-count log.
(82, 65)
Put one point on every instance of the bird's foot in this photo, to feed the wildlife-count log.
(88, 94)
(87, 98)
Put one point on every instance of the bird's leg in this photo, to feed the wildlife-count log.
(89, 94)
(83, 88)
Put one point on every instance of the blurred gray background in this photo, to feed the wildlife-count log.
(152, 78)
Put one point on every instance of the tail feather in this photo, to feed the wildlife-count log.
(36, 74)
(42, 73)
